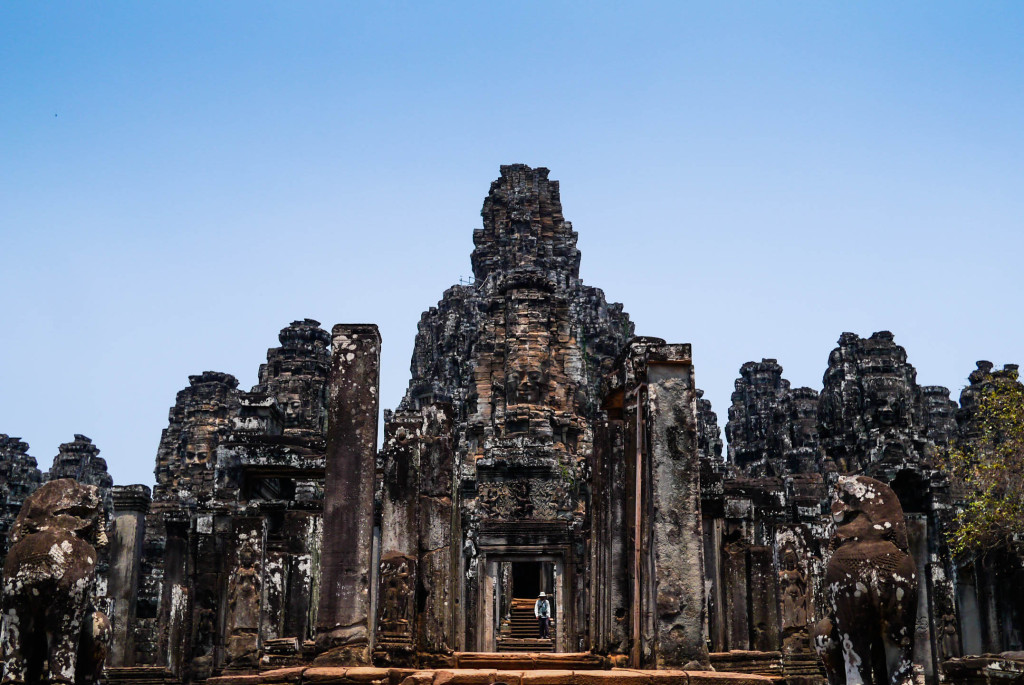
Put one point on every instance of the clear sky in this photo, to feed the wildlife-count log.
(178, 181)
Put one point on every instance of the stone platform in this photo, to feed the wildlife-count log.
(490, 676)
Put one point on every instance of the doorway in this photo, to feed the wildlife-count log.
(530, 578)
(510, 586)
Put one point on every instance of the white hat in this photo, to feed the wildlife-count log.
(543, 595)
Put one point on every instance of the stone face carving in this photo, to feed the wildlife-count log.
(939, 414)
(49, 578)
(870, 588)
(870, 409)
(803, 449)
(199, 422)
(296, 376)
(772, 429)
(757, 419)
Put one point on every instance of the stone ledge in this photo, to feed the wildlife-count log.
(364, 675)
(526, 661)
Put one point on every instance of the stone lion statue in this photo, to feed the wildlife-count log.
(867, 636)
(48, 583)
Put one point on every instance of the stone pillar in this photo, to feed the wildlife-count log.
(737, 610)
(131, 502)
(673, 624)
(676, 526)
(764, 599)
(436, 481)
(302, 529)
(917, 538)
(399, 539)
(343, 620)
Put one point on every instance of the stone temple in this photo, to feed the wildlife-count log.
(540, 447)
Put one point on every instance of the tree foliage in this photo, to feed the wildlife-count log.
(987, 472)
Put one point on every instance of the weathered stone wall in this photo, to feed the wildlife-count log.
(210, 594)
(871, 417)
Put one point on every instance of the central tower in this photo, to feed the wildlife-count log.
(540, 447)
(517, 358)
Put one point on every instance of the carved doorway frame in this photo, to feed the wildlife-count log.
(489, 559)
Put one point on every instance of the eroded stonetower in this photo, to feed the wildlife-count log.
(520, 355)
(19, 477)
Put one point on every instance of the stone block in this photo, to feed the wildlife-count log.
(721, 678)
(282, 675)
(465, 676)
(547, 677)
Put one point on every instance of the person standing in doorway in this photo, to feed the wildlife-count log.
(542, 610)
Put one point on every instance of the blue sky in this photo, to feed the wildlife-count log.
(178, 181)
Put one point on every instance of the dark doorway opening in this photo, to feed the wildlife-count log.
(526, 579)
(530, 578)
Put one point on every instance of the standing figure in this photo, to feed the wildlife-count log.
(867, 636)
(542, 610)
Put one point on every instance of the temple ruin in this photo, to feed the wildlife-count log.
(540, 447)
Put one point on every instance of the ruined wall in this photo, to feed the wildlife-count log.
(227, 570)
(766, 524)
(414, 607)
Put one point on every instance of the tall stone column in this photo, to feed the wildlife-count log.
(672, 564)
(399, 538)
(343, 619)
(131, 502)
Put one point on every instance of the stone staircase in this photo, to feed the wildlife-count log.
(520, 633)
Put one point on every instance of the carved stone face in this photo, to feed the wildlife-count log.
(885, 402)
(531, 387)
(789, 560)
(294, 411)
